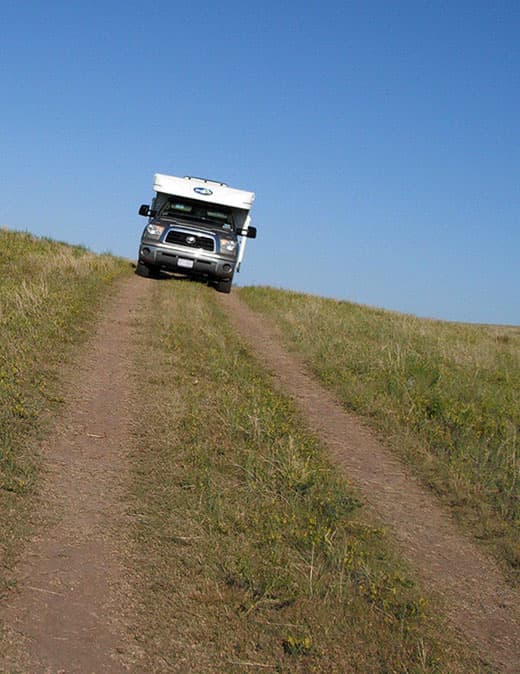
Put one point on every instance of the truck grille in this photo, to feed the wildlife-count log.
(189, 240)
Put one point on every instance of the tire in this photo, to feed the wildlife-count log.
(224, 286)
(145, 271)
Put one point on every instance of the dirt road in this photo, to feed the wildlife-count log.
(68, 613)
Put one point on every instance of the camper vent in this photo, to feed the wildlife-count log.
(206, 180)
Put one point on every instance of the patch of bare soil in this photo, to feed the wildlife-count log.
(476, 598)
(66, 613)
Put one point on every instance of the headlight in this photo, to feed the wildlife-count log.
(228, 245)
(154, 231)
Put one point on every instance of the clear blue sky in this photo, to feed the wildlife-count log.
(382, 138)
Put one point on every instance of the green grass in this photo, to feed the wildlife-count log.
(251, 552)
(48, 291)
(445, 396)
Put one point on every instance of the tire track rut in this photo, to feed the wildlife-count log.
(479, 603)
(66, 613)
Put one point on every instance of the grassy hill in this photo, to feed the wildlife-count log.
(445, 397)
(247, 550)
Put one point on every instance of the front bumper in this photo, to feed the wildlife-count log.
(187, 261)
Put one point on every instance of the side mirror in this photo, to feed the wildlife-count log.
(146, 210)
(250, 232)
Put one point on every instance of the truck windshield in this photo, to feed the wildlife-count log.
(195, 210)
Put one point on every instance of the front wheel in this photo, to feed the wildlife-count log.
(224, 286)
(145, 271)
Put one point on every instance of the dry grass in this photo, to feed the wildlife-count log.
(47, 292)
(445, 396)
(253, 554)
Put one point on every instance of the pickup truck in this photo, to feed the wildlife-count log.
(196, 227)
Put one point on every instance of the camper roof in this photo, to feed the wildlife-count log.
(204, 190)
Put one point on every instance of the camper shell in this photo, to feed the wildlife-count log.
(196, 227)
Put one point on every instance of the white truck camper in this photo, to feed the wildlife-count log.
(196, 227)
